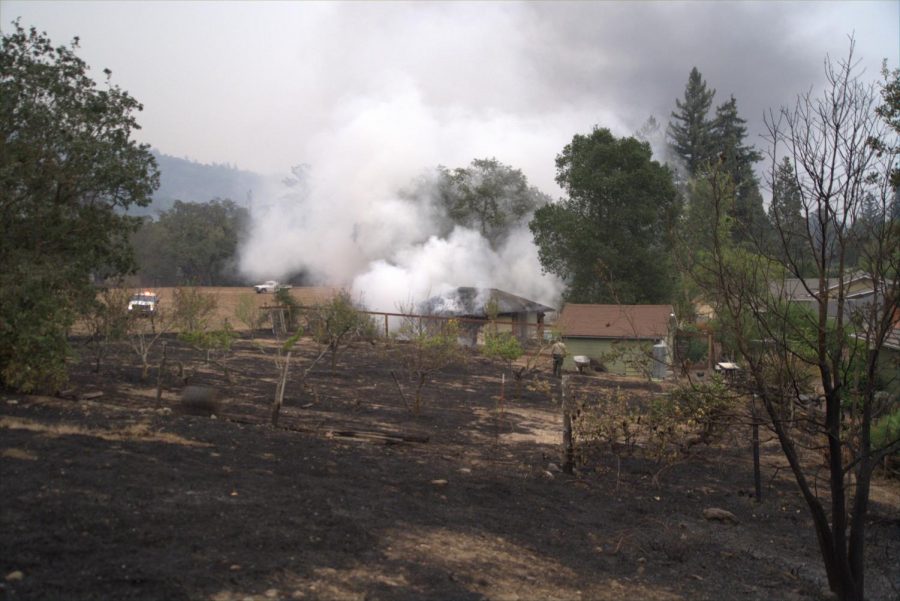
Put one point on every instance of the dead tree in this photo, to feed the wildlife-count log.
(829, 349)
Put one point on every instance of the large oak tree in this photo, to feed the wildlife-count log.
(609, 240)
(69, 168)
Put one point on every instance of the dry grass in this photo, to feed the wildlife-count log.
(228, 298)
(139, 432)
(20, 454)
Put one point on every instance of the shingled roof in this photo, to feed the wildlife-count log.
(615, 321)
(470, 302)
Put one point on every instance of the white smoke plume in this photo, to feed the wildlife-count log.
(352, 228)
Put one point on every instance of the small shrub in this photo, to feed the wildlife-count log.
(211, 341)
(292, 308)
(502, 346)
(192, 309)
(885, 431)
(247, 312)
(106, 321)
(339, 322)
(665, 425)
(431, 347)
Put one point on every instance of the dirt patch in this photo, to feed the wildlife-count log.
(118, 498)
(134, 432)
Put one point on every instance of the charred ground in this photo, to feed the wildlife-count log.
(120, 498)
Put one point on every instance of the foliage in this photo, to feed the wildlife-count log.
(690, 130)
(285, 299)
(189, 180)
(429, 347)
(503, 346)
(216, 344)
(703, 408)
(144, 332)
(106, 321)
(191, 243)
(33, 332)
(486, 196)
(611, 420)
(664, 426)
(68, 170)
(886, 430)
(889, 111)
(691, 344)
(788, 217)
(737, 159)
(838, 339)
(635, 358)
(705, 142)
(609, 240)
(247, 311)
(192, 309)
(339, 322)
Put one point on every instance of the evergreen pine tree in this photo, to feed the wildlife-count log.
(736, 158)
(690, 130)
(787, 214)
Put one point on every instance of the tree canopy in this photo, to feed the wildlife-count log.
(192, 243)
(609, 240)
(690, 131)
(718, 143)
(729, 132)
(68, 169)
(486, 196)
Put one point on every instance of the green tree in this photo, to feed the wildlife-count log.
(727, 141)
(192, 309)
(690, 130)
(106, 321)
(69, 169)
(889, 111)
(192, 243)
(430, 347)
(610, 239)
(788, 217)
(337, 323)
(486, 196)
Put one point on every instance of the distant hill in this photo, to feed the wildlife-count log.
(189, 181)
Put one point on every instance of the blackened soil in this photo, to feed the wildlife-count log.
(120, 498)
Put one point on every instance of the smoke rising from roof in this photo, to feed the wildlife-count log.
(350, 226)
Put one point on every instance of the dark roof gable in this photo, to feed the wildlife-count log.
(469, 301)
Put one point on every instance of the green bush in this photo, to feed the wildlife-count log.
(666, 425)
(193, 309)
(886, 430)
(292, 308)
(503, 346)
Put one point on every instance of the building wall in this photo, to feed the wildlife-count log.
(524, 326)
(614, 354)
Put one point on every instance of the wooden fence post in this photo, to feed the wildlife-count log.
(568, 462)
(159, 375)
(279, 391)
(757, 475)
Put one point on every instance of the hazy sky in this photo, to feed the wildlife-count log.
(394, 87)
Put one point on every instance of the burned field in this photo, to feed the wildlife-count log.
(109, 494)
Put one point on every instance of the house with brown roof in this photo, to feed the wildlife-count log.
(520, 316)
(618, 338)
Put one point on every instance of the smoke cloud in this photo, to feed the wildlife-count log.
(349, 225)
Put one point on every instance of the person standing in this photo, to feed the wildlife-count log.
(558, 350)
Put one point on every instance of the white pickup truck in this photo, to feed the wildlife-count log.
(144, 302)
(270, 286)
